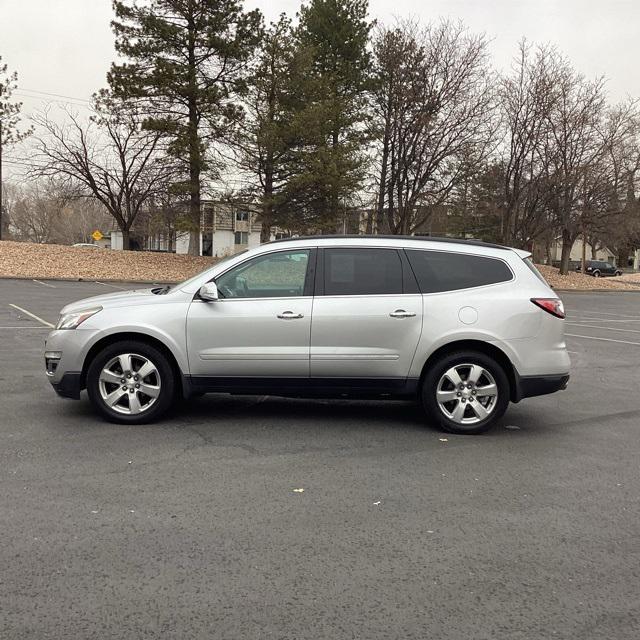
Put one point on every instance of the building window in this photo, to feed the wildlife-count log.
(242, 216)
(241, 237)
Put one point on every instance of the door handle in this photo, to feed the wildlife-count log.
(290, 315)
(401, 313)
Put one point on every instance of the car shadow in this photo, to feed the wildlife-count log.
(302, 412)
(222, 414)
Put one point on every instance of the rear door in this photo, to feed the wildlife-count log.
(367, 314)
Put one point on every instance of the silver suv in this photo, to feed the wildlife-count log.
(465, 327)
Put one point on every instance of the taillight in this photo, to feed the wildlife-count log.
(553, 306)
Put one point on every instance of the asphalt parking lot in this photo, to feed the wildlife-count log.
(191, 528)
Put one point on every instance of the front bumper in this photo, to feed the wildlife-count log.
(65, 351)
(69, 385)
(531, 386)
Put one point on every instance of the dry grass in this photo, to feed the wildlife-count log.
(42, 261)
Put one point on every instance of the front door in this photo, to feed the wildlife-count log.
(260, 326)
(366, 319)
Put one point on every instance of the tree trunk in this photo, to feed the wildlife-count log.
(126, 239)
(267, 196)
(623, 257)
(369, 228)
(195, 158)
(379, 220)
(567, 245)
(194, 213)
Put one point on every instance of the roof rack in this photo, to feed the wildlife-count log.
(477, 243)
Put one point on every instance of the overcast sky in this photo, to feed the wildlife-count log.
(65, 46)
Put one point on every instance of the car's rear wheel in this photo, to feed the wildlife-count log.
(465, 392)
(618, 273)
(131, 382)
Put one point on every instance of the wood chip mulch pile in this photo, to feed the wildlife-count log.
(43, 261)
(581, 282)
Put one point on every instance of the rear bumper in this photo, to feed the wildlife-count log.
(531, 386)
(69, 386)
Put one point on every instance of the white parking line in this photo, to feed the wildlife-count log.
(607, 313)
(23, 327)
(32, 315)
(575, 335)
(106, 284)
(578, 319)
(591, 326)
(44, 284)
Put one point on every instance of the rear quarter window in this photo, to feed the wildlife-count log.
(534, 269)
(438, 271)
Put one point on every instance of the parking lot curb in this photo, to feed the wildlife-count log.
(90, 280)
(599, 290)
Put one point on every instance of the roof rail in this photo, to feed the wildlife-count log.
(477, 243)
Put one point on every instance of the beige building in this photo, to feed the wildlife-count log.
(225, 229)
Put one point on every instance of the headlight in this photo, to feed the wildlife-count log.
(75, 319)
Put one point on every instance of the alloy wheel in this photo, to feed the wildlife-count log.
(129, 383)
(467, 393)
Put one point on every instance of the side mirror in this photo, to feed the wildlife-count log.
(208, 292)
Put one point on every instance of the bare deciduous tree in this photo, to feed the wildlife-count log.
(436, 108)
(36, 210)
(526, 101)
(574, 146)
(110, 158)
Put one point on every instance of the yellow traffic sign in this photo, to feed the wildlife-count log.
(96, 235)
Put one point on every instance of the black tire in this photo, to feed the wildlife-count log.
(166, 382)
(435, 374)
(618, 273)
(596, 274)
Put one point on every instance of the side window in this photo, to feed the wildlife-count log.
(275, 275)
(362, 272)
(438, 271)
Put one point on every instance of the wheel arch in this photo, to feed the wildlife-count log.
(486, 348)
(112, 338)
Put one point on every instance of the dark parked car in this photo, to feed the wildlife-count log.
(597, 268)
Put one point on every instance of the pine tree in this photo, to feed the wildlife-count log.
(184, 61)
(333, 72)
(262, 140)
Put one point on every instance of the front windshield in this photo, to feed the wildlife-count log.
(186, 283)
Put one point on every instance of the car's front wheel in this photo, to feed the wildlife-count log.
(130, 382)
(596, 274)
(465, 392)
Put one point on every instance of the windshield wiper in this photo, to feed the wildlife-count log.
(160, 291)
